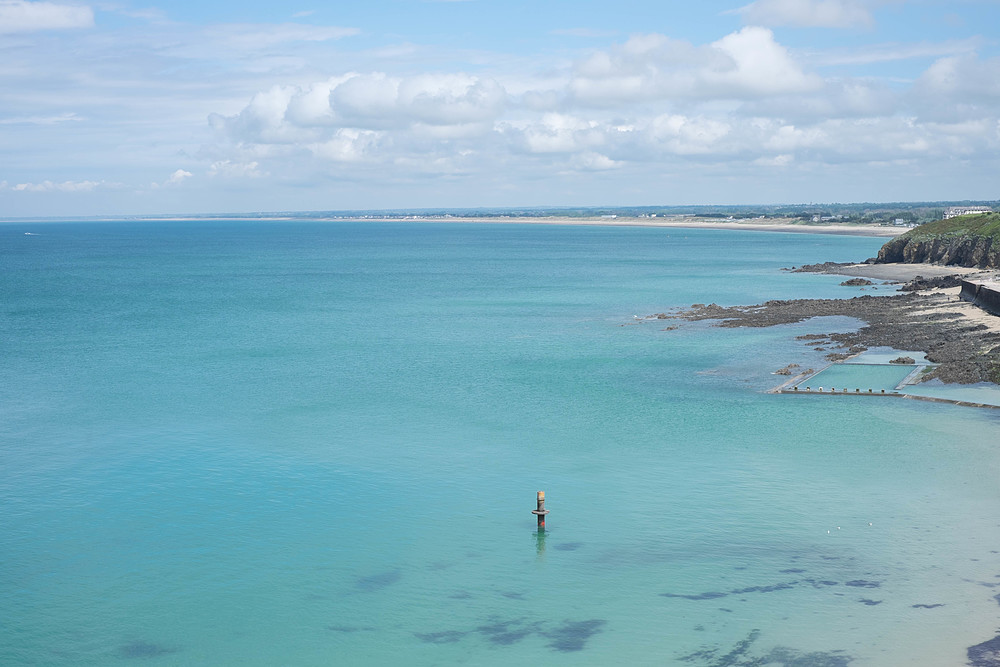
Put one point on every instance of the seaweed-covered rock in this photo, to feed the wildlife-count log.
(920, 283)
(986, 654)
(825, 267)
(966, 352)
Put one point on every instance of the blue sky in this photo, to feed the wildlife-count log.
(113, 108)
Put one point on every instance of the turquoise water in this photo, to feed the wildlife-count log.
(319, 443)
(876, 377)
(885, 355)
(872, 372)
(983, 393)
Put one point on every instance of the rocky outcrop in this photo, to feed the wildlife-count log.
(966, 240)
(920, 283)
(972, 251)
(967, 352)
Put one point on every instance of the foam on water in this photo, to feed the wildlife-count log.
(308, 443)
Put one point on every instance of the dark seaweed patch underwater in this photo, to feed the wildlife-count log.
(741, 655)
(348, 629)
(986, 654)
(714, 595)
(572, 636)
(569, 637)
(377, 582)
(505, 633)
(141, 649)
(442, 637)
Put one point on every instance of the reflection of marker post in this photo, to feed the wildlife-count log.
(541, 512)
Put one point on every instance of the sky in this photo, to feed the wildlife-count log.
(131, 108)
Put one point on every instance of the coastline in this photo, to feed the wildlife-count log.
(940, 299)
(784, 225)
(679, 222)
(962, 339)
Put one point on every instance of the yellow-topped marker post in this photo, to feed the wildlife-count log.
(540, 512)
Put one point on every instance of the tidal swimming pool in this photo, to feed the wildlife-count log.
(877, 377)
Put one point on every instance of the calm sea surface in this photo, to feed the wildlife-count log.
(309, 443)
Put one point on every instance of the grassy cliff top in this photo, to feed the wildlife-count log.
(980, 224)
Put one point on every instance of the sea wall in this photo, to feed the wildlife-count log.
(984, 295)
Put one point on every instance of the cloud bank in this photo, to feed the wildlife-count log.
(648, 100)
(302, 115)
(22, 16)
(808, 13)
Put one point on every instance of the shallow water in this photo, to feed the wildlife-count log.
(862, 378)
(305, 443)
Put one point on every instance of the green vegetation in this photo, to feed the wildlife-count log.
(966, 240)
(979, 225)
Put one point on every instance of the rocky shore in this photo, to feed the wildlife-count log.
(925, 316)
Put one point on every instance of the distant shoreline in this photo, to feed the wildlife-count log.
(783, 225)
(786, 225)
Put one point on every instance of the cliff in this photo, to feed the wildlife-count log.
(968, 240)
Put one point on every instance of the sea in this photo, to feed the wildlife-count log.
(304, 442)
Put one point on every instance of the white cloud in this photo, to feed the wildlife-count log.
(173, 180)
(149, 14)
(377, 100)
(42, 120)
(245, 36)
(741, 65)
(350, 118)
(651, 100)
(762, 66)
(807, 13)
(594, 162)
(230, 169)
(744, 101)
(556, 133)
(893, 52)
(178, 177)
(688, 136)
(49, 186)
(962, 78)
(958, 89)
(782, 160)
(348, 145)
(838, 98)
(23, 16)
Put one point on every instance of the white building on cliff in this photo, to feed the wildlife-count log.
(955, 211)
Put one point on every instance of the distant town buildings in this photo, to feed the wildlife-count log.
(954, 211)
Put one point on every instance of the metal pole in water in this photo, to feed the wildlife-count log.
(541, 512)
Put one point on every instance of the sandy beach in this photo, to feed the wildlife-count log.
(907, 272)
(787, 225)
(784, 225)
(940, 302)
